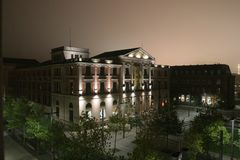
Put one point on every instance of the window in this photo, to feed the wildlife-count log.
(165, 85)
(57, 72)
(71, 112)
(88, 70)
(114, 87)
(127, 86)
(151, 72)
(115, 102)
(145, 73)
(102, 111)
(88, 88)
(71, 70)
(127, 71)
(57, 112)
(102, 71)
(89, 109)
(102, 88)
(165, 73)
(114, 71)
(71, 87)
(55, 87)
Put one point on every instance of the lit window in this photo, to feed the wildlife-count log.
(138, 55)
(145, 56)
(130, 55)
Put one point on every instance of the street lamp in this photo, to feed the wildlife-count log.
(232, 122)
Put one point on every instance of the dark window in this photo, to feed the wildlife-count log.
(145, 85)
(115, 102)
(71, 87)
(88, 106)
(57, 112)
(114, 86)
(102, 88)
(71, 70)
(71, 112)
(114, 71)
(102, 104)
(165, 73)
(57, 72)
(165, 85)
(145, 73)
(88, 70)
(102, 71)
(127, 71)
(88, 88)
(127, 86)
(57, 87)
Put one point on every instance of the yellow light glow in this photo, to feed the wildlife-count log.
(145, 56)
(108, 61)
(130, 55)
(138, 55)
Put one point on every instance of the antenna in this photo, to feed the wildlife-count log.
(70, 37)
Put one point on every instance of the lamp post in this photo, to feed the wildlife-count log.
(232, 146)
(102, 126)
(51, 120)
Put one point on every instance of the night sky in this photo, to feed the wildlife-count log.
(176, 32)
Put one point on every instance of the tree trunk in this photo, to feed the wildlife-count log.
(167, 141)
(115, 142)
(123, 130)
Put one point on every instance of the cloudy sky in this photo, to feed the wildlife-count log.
(176, 32)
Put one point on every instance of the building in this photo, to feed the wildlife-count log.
(9, 69)
(71, 83)
(208, 85)
(237, 88)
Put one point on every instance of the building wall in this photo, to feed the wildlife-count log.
(202, 85)
(128, 86)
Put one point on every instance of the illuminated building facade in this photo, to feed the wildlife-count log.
(207, 85)
(71, 83)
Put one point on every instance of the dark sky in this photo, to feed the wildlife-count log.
(174, 31)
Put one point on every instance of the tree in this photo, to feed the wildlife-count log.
(155, 124)
(15, 112)
(83, 141)
(114, 125)
(205, 130)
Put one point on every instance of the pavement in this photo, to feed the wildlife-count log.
(14, 151)
(124, 145)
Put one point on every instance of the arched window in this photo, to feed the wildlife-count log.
(70, 112)
(102, 111)
(89, 109)
(115, 102)
(88, 106)
(102, 104)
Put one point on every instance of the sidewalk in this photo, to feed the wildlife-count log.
(225, 157)
(14, 151)
(124, 145)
